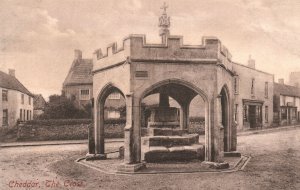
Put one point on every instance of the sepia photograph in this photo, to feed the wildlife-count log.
(149, 94)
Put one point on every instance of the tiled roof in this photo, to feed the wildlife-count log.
(10, 82)
(38, 102)
(287, 90)
(80, 72)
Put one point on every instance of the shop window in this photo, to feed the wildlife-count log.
(294, 113)
(283, 113)
(245, 113)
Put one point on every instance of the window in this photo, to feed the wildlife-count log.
(236, 85)
(114, 96)
(21, 114)
(113, 114)
(5, 118)
(84, 94)
(245, 116)
(236, 112)
(266, 114)
(283, 113)
(22, 98)
(29, 100)
(266, 89)
(27, 114)
(252, 86)
(4, 95)
(24, 115)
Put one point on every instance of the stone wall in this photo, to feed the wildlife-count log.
(29, 132)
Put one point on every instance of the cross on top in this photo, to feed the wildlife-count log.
(164, 7)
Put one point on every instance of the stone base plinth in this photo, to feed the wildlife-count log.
(164, 114)
(217, 165)
(232, 154)
(131, 168)
(95, 157)
(176, 153)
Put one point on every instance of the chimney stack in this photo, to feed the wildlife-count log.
(77, 54)
(281, 81)
(12, 72)
(251, 62)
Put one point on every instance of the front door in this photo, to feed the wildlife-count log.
(252, 116)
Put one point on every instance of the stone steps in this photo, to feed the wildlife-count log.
(165, 132)
(175, 153)
(169, 141)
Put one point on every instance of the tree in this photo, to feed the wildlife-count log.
(60, 107)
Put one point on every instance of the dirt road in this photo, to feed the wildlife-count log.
(275, 165)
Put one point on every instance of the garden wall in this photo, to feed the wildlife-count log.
(42, 130)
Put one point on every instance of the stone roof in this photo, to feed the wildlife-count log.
(80, 72)
(286, 90)
(10, 82)
(39, 102)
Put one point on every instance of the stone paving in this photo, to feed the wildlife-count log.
(110, 165)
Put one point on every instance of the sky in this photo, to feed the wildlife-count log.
(38, 37)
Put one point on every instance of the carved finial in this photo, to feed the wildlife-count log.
(164, 7)
(164, 22)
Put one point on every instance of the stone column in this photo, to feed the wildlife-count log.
(136, 116)
(128, 144)
(99, 129)
(184, 116)
(164, 100)
(219, 151)
(209, 128)
(132, 155)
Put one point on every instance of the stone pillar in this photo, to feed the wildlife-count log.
(164, 100)
(128, 139)
(209, 128)
(91, 136)
(132, 155)
(136, 114)
(219, 148)
(99, 129)
(184, 116)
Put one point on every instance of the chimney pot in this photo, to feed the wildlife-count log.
(12, 72)
(251, 63)
(77, 54)
(281, 81)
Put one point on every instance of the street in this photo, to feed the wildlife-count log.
(275, 164)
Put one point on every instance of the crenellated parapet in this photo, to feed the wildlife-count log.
(136, 48)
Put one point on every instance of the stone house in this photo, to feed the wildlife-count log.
(78, 86)
(16, 102)
(39, 104)
(253, 96)
(286, 103)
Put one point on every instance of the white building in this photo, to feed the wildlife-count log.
(16, 102)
